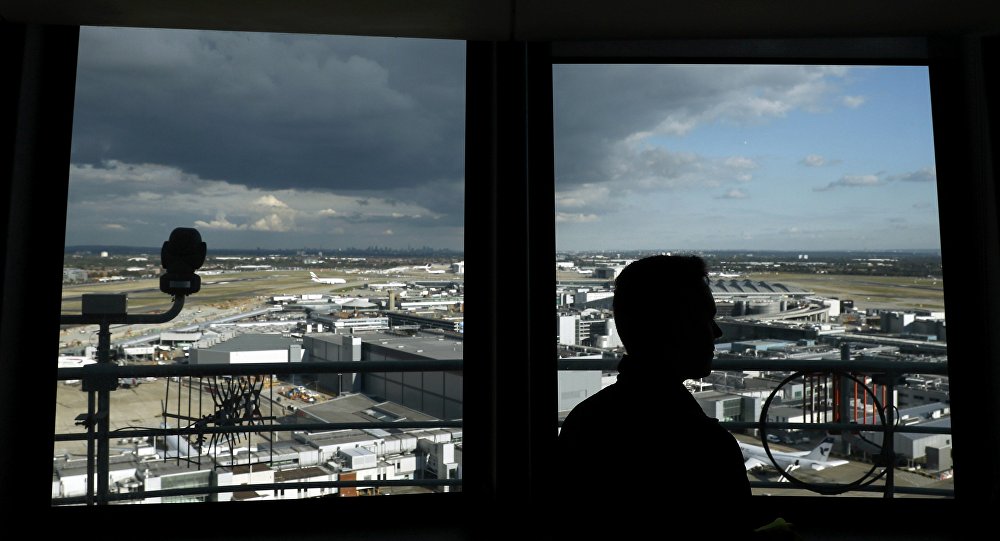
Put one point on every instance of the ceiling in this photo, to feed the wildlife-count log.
(532, 19)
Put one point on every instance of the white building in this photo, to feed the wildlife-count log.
(250, 348)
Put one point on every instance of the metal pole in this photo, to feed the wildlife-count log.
(890, 439)
(90, 448)
(103, 415)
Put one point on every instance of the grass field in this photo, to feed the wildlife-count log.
(893, 292)
(220, 295)
(230, 289)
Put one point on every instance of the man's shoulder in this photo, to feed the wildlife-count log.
(599, 401)
(604, 404)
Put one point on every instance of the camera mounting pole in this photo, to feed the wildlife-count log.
(183, 254)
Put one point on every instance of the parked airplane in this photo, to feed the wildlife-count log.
(818, 459)
(327, 280)
(433, 271)
(74, 361)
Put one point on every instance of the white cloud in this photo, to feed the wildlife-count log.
(852, 181)
(565, 217)
(387, 232)
(220, 222)
(813, 160)
(114, 227)
(927, 174)
(734, 193)
(271, 222)
(740, 162)
(853, 102)
(270, 200)
(327, 212)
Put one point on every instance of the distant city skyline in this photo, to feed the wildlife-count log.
(274, 141)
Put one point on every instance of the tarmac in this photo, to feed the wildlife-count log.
(852, 472)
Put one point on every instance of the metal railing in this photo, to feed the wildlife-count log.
(888, 372)
(104, 372)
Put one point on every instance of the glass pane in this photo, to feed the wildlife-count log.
(810, 192)
(326, 176)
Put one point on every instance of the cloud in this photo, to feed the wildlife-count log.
(852, 181)
(853, 102)
(599, 109)
(927, 174)
(270, 201)
(271, 222)
(813, 160)
(734, 193)
(740, 162)
(178, 198)
(276, 111)
(115, 227)
(220, 222)
(387, 232)
(564, 217)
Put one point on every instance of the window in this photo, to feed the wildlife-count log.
(961, 68)
(810, 191)
(325, 174)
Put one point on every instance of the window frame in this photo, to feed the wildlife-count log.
(509, 159)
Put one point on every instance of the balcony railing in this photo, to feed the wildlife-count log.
(888, 371)
(888, 374)
(112, 372)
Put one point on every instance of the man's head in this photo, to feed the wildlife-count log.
(664, 312)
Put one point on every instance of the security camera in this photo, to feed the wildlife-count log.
(183, 254)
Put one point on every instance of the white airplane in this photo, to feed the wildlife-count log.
(433, 271)
(73, 361)
(818, 459)
(326, 280)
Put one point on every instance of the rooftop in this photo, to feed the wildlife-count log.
(284, 476)
(751, 288)
(255, 342)
(430, 346)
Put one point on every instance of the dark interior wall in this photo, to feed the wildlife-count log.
(40, 76)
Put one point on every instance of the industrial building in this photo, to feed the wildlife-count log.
(250, 348)
(914, 446)
(438, 394)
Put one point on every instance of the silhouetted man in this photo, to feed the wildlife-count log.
(644, 442)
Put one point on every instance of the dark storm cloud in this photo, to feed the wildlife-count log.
(601, 110)
(273, 111)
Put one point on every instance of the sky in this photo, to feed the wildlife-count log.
(267, 140)
(324, 142)
(716, 157)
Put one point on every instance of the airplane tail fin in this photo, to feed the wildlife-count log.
(313, 275)
(822, 451)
